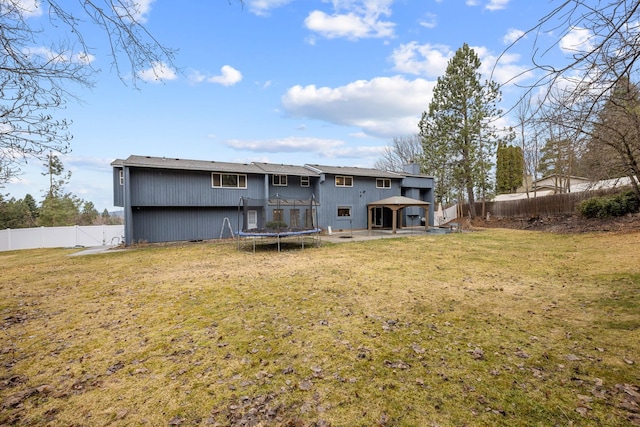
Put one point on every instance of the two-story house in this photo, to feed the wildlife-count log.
(168, 199)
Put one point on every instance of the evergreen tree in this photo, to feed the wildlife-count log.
(14, 214)
(459, 140)
(31, 204)
(58, 208)
(89, 214)
(509, 168)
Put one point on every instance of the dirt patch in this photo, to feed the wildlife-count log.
(564, 224)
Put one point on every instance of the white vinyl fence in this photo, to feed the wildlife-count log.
(446, 215)
(61, 237)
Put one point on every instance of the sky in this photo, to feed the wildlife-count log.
(328, 82)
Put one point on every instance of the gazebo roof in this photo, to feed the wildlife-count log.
(399, 202)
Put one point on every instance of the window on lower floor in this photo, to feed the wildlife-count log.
(280, 180)
(278, 215)
(344, 211)
(228, 180)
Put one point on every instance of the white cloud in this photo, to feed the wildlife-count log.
(157, 73)
(288, 145)
(325, 148)
(353, 19)
(497, 4)
(26, 8)
(512, 35)
(576, 40)
(382, 107)
(263, 7)
(229, 76)
(429, 20)
(432, 60)
(427, 60)
(49, 55)
(135, 10)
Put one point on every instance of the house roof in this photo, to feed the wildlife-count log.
(255, 167)
(185, 164)
(274, 168)
(350, 170)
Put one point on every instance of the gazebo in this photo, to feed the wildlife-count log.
(395, 203)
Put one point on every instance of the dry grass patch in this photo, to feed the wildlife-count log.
(497, 327)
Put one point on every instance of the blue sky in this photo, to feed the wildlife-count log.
(284, 81)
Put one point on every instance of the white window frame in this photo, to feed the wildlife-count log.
(279, 180)
(384, 183)
(346, 181)
(240, 178)
(349, 209)
(304, 181)
(121, 176)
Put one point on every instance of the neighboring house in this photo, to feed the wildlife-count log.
(167, 199)
(553, 185)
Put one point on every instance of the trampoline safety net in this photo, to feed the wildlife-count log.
(277, 217)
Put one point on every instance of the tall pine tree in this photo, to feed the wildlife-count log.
(458, 138)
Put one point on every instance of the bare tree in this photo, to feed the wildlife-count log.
(403, 150)
(573, 96)
(37, 73)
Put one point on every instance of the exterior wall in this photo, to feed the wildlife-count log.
(160, 187)
(357, 198)
(173, 203)
(170, 224)
(292, 190)
(118, 189)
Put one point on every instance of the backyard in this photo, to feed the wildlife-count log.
(490, 327)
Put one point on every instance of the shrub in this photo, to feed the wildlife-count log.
(610, 206)
(276, 224)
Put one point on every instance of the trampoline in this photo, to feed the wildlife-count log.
(271, 220)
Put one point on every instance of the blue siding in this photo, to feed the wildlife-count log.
(118, 190)
(357, 198)
(181, 224)
(178, 203)
(160, 187)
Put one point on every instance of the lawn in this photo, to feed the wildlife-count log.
(494, 327)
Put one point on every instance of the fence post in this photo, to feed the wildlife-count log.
(42, 235)
(9, 238)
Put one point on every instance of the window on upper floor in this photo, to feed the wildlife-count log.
(121, 176)
(279, 180)
(228, 180)
(344, 181)
(383, 183)
(304, 181)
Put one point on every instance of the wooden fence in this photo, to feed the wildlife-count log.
(545, 206)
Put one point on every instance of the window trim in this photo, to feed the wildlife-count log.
(305, 181)
(344, 178)
(239, 178)
(280, 179)
(380, 183)
(349, 209)
(121, 176)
